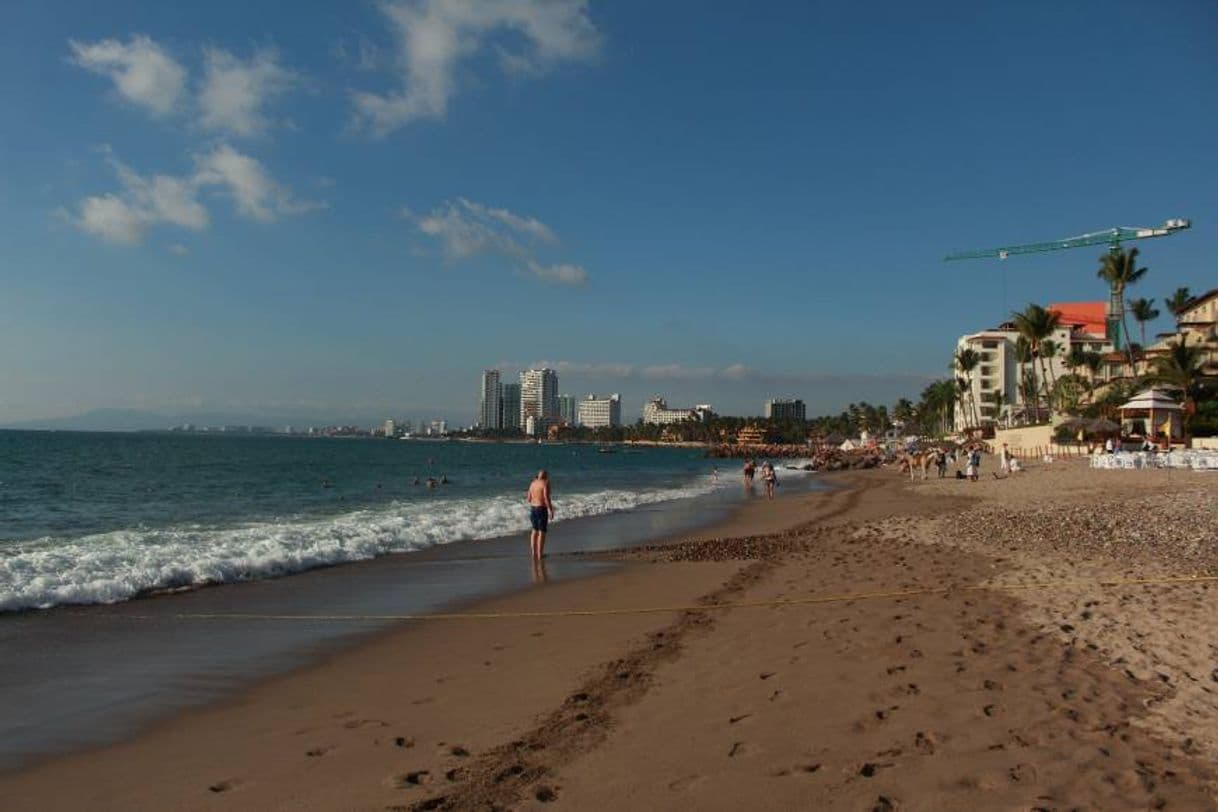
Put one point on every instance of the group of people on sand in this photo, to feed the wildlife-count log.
(1008, 463)
(769, 479)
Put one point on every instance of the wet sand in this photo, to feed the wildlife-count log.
(963, 698)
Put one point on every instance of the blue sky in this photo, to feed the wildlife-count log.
(347, 211)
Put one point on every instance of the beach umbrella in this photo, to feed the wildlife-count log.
(1102, 426)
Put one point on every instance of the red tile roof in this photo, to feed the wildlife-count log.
(1087, 316)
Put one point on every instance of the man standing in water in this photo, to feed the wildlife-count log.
(541, 510)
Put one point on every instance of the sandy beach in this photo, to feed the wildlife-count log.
(763, 663)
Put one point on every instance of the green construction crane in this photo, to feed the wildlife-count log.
(1112, 237)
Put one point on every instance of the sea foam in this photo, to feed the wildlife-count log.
(115, 566)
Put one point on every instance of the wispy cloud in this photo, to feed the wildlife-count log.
(466, 230)
(434, 36)
(143, 72)
(143, 202)
(256, 194)
(235, 91)
(727, 375)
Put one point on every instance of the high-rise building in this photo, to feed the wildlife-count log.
(437, 427)
(539, 398)
(389, 428)
(509, 406)
(596, 412)
(567, 410)
(490, 412)
(779, 409)
(658, 412)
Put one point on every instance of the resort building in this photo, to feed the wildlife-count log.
(389, 429)
(509, 406)
(490, 411)
(567, 412)
(656, 411)
(437, 427)
(994, 394)
(751, 435)
(1197, 324)
(785, 410)
(539, 399)
(596, 412)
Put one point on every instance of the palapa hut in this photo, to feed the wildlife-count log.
(1152, 414)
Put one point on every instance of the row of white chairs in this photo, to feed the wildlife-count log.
(1131, 460)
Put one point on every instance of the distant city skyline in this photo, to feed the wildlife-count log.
(279, 213)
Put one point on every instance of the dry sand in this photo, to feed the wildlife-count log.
(1087, 697)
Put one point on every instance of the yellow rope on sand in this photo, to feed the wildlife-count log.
(645, 610)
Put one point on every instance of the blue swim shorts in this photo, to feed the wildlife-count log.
(540, 518)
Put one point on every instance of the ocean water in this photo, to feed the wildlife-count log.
(101, 518)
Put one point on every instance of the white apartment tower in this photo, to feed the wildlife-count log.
(490, 412)
(539, 398)
(596, 412)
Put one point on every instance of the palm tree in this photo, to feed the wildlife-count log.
(963, 386)
(1036, 325)
(1119, 268)
(1143, 310)
(968, 360)
(1177, 303)
(1023, 355)
(1094, 363)
(1048, 351)
(1184, 368)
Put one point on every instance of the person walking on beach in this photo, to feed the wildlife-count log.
(541, 510)
(749, 470)
(974, 463)
(769, 478)
(941, 463)
(1005, 459)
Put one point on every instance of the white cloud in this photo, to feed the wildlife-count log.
(178, 249)
(434, 36)
(144, 202)
(256, 194)
(142, 71)
(112, 219)
(235, 91)
(563, 273)
(466, 230)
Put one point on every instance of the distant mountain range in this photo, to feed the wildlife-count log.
(137, 420)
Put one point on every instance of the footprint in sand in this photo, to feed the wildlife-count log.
(546, 794)
(225, 785)
(318, 751)
(416, 778)
(686, 783)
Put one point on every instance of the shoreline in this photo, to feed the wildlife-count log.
(937, 699)
(138, 679)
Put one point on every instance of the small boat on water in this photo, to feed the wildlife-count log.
(603, 450)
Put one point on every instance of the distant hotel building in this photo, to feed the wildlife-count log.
(567, 411)
(437, 427)
(490, 412)
(539, 399)
(598, 413)
(656, 411)
(785, 410)
(509, 407)
(389, 428)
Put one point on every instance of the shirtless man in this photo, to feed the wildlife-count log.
(541, 510)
